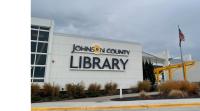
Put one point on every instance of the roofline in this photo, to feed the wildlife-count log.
(42, 21)
(95, 38)
(152, 55)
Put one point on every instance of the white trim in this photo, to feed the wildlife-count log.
(40, 30)
(35, 55)
(38, 78)
(39, 41)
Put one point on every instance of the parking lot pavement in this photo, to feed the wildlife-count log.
(159, 109)
(119, 104)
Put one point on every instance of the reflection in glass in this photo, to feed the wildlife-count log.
(43, 36)
(32, 58)
(40, 59)
(33, 46)
(42, 47)
(34, 34)
(39, 72)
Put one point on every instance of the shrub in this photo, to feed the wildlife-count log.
(193, 88)
(71, 89)
(110, 88)
(63, 94)
(80, 90)
(50, 90)
(75, 90)
(94, 90)
(167, 86)
(47, 89)
(144, 85)
(177, 94)
(56, 91)
(35, 89)
(185, 86)
(36, 98)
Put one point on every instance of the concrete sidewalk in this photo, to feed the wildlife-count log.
(115, 103)
(105, 103)
(107, 98)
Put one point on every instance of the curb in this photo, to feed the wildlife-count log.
(145, 106)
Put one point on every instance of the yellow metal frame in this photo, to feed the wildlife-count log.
(169, 68)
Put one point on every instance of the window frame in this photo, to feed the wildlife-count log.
(39, 53)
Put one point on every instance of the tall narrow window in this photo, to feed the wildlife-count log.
(39, 50)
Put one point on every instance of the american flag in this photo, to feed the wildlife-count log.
(181, 36)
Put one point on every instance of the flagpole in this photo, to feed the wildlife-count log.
(182, 62)
(182, 58)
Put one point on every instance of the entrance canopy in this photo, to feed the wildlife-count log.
(157, 61)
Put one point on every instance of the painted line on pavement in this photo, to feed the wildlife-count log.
(145, 106)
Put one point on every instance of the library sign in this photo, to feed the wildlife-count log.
(111, 59)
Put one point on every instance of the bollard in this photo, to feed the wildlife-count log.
(120, 91)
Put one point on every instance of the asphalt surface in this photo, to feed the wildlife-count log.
(159, 109)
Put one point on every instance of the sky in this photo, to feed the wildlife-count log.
(153, 23)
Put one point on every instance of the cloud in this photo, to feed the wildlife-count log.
(150, 22)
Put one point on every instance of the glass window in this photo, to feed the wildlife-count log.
(31, 71)
(33, 46)
(44, 28)
(42, 47)
(43, 36)
(39, 72)
(38, 80)
(34, 27)
(32, 58)
(40, 59)
(34, 34)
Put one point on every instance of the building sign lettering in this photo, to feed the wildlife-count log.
(114, 59)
